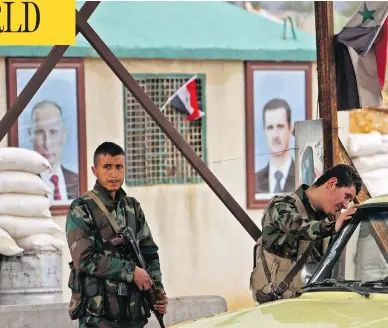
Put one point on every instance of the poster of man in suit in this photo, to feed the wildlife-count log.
(49, 126)
(279, 100)
(48, 136)
(279, 174)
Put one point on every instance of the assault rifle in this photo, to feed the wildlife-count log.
(126, 237)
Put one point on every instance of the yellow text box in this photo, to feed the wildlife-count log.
(38, 22)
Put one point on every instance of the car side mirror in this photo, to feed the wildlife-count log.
(307, 272)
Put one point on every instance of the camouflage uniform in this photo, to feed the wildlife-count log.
(98, 268)
(289, 224)
(283, 227)
(100, 322)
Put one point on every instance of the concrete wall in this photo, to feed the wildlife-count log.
(203, 248)
(56, 315)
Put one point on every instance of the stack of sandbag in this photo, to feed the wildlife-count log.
(25, 217)
(369, 153)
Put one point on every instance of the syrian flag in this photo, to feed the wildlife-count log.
(361, 56)
(185, 100)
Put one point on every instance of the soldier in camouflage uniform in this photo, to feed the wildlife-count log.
(99, 269)
(289, 222)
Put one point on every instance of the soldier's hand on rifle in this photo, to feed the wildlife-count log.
(142, 279)
(161, 305)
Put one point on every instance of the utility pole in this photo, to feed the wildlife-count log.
(334, 152)
(327, 96)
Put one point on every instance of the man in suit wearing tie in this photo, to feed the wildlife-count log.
(48, 136)
(278, 176)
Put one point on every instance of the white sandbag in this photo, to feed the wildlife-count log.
(21, 159)
(8, 246)
(364, 144)
(374, 189)
(40, 242)
(20, 227)
(23, 183)
(25, 205)
(384, 138)
(377, 174)
(375, 182)
(369, 163)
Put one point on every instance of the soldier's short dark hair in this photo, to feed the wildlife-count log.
(276, 103)
(345, 174)
(107, 148)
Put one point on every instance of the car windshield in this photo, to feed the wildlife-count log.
(353, 257)
(365, 260)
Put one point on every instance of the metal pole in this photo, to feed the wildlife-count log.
(199, 165)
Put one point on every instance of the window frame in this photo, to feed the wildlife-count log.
(178, 180)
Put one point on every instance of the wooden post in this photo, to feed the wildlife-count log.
(333, 153)
(327, 98)
(327, 95)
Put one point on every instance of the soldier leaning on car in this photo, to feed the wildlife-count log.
(291, 222)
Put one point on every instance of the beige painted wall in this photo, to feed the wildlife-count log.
(203, 248)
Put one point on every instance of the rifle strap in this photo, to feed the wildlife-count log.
(265, 265)
(134, 209)
(283, 285)
(109, 216)
(300, 206)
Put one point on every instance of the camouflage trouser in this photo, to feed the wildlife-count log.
(101, 322)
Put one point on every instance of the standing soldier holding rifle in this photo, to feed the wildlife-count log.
(115, 275)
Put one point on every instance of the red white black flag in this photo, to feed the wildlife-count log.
(361, 57)
(185, 100)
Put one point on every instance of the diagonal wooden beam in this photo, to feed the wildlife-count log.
(130, 83)
(40, 76)
(379, 229)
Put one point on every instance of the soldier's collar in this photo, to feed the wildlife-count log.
(105, 195)
(306, 201)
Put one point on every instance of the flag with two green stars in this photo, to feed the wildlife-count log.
(361, 57)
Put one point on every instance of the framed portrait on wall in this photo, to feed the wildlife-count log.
(277, 95)
(53, 124)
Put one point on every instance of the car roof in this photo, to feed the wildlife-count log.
(379, 201)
